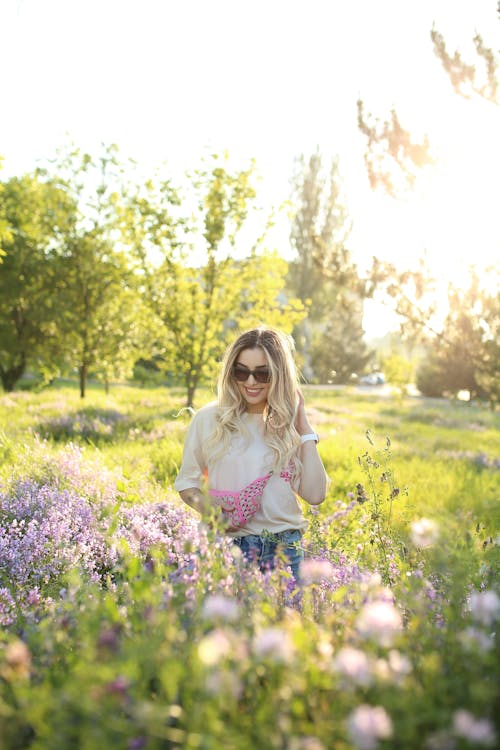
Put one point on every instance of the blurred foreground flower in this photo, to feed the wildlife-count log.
(218, 607)
(477, 731)
(17, 660)
(214, 647)
(379, 621)
(484, 607)
(424, 532)
(353, 664)
(274, 644)
(315, 571)
(367, 725)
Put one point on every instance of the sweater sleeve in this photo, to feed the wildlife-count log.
(193, 462)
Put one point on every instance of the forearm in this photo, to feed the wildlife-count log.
(313, 481)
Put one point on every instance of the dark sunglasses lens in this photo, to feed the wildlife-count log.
(242, 374)
(262, 376)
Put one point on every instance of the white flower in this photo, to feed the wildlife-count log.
(367, 725)
(273, 643)
(484, 607)
(354, 664)
(472, 638)
(400, 665)
(424, 532)
(214, 647)
(479, 731)
(379, 621)
(218, 607)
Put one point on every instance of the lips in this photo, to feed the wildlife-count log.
(253, 391)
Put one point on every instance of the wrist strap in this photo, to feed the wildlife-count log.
(309, 436)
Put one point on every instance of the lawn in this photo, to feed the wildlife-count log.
(128, 624)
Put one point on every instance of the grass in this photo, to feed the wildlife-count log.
(105, 640)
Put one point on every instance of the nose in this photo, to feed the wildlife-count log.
(251, 379)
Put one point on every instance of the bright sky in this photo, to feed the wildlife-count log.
(268, 79)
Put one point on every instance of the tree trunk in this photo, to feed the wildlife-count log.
(10, 376)
(83, 370)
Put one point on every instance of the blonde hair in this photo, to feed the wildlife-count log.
(282, 399)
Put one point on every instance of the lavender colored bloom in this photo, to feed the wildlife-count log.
(477, 731)
(353, 664)
(366, 725)
(484, 607)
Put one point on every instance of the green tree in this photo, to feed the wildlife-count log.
(339, 352)
(322, 274)
(198, 293)
(465, 355)
(37, 213)
(101, 317)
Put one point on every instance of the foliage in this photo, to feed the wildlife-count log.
(38, 213)
(126, 623)
(465, 78)
(466, 354)
(322, 274)
(388, 145)
(338, 352)
(201, 297)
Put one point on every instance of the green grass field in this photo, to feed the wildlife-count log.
(127, 624)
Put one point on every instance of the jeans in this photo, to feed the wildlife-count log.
(263, 549)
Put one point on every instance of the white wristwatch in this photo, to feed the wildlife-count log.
(310, 436)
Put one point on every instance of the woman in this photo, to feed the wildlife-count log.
(258, 449)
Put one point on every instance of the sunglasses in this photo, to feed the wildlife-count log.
(242, 373)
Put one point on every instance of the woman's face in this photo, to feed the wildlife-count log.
(254, 392)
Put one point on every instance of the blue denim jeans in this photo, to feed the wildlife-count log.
(263, 549)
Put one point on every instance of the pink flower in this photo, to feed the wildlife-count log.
(485, 607)
(315, 571)
(218, 607)
(366, 725)
(354, 664)
(379, 621)
(478, 731)
(273, 643)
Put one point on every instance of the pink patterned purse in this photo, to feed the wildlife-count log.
(239, 507)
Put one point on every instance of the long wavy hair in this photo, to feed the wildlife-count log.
(282, 399)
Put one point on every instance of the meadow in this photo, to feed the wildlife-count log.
(125, 623)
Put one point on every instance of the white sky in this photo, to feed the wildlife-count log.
(269, 79)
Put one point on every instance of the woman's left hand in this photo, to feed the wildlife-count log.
(302, 424)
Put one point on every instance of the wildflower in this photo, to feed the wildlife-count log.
(354, 664)
(17, 659)
(485, 607)
(214, 647)
(478, 731)
(379, 621)
(218, 607)
(471, 638)
(305, 743)
(424, 533)
(315, 571)
(368, 724)
(223, 681)
(273, 643)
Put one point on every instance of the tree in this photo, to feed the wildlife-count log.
(322, 274)
(101, 317)
(200, 295)
(470, 351)
(338, 351)
(37, 213)
(465, 355)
